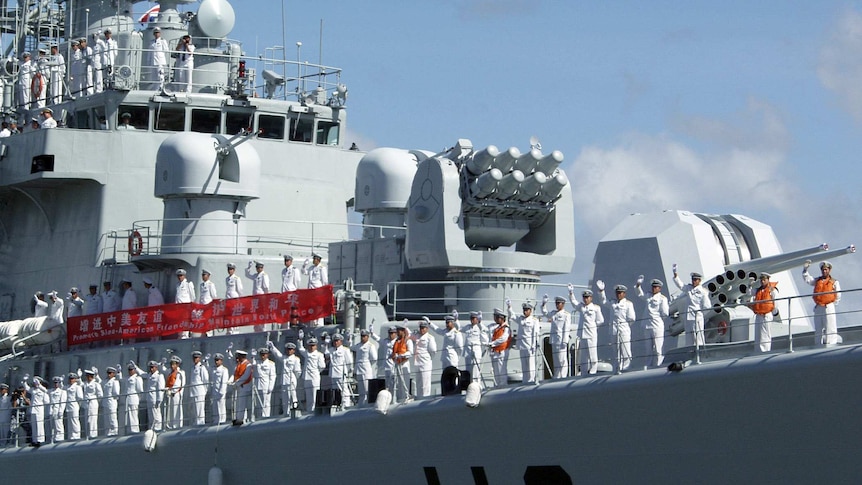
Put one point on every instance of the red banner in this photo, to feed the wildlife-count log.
(162, 320)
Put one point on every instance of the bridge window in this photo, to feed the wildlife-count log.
(301, 129)
(170, 118)
(140, 119)
(327, 133)
(206, 120)
(235, 121)
(271, 127)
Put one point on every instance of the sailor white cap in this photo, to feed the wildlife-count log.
(218, 356)
(131, 366)
(765, 275)
(587, 293)
(111, 369)
(526, 305)
(364, 333)
(197, 353)
(157, 29)
(258, 264)
(826, 264)
(449, 318)
(108, 31)
(476, 314)
(148, 280)
(205, 272)
(181, 272)
(231, 266)
(177, 359)
(697, 275)
(42, 50)
(621, 288)
(339, 337)
(499, 313)
(152, 363)
(392, 329)
(241, 352)
(74, 289)
(423, 324)
(3, 385)
(47, 110)
(656, 282)
(559, 299)
(76, 42)
(316, 255)
(312, 341)
(126, 114)
(58, 379)
(288, 257)
(89, 372)
(94, 285)
(125, 280)
(25, 54)
(52, 294)
(263, 351)
(72, 375)
(290, 345)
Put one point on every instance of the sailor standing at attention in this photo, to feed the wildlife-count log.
(826, 296)
(134, 389)
(260, 283)
(289, 275)
(561, 329)
(475, 339)
(340, 364)
(220, 379)
(130, 298)
(159, 60)
(185, 293)
(363, 368)
(529, 330)
(198, 382)
(313, 365)
(110, 299)
(58, 407)
(92, 389)
(93, 302)
(426, 347)
(74, 396)
(763, 306)
(698, 302)
(5, 414)
(26, 69)
(591, 318)
(500, 348)
(155, 387)
(318, 277)
(657, 311)
(264, 383)
(87, 60)
(111, 391)
(453, 341)
(111, 50)
(402, 352)
(208, 293)
(175, 383)
(622, 316)
(241, 381)
(384, 350)
(233, 284)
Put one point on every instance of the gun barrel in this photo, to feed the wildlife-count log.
(778, 258)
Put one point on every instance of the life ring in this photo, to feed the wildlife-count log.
(37, 85)
(722, 328)
(136, 244)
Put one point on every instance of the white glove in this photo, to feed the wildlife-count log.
(674, 268)
(508, 303)
(426, 320)
(300, 334)
(600, 285)
(132, 362)
(95, 370)
(806, 264)
(79, 372)
(68, 296)
(305, 263)
(251, 264)
(208, 357)
(545, 299)
(640, 280)
(455, 314)
(371, 327)
(230, 346)
(269, 344)
(480, 315)
(26, 377)
(571, 288)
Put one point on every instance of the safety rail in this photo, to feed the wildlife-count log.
(679, 357)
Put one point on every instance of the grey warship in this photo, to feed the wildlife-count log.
(204, 179)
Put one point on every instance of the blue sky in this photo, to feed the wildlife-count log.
(730, 107)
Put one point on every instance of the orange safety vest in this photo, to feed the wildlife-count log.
(172, 378)
(763, 303)
(498, 332)
(824, 285)
(240, 370)
(400, 347)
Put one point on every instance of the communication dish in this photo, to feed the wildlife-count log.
(534, 143)
(215, 18)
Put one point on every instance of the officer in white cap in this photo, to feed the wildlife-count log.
(363, 365)
(314, 364)
(622, 317)
(199, 380)
(529, 330)
(476, 339)
(424, 349)
(134, 390)
(233, 284)
(242, 382)
(56, 65)
(453, 341)
(130, 298)
(185, 292)
(48, 120)
(175, 383)
(154, 385)
(264, 383)
(57, 397)
(92, 388)
(290, 277)
(219, 383)
(591, 318)
(93, 300)
(40, 308)
(318, 277)
(74, 397)
(26, 69)
(762, 300)
(698, 303)
(402, 352)
(39, 405)
(291, 372)
(159, 52)
(154, 296)
(384, 350)
(499, 345)
(110, 299)
(561, 329)
(259, 283)
(87, 61)
(5, 414)
(827, 294)
(110, 53)
(76, 304)
(111, 391)
(208, 290)
(56, 307)
(340, 365)
(657, 310)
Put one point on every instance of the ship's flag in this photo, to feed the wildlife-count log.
(150, 15)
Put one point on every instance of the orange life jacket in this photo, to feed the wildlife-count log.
(172, 379)
(240, 370)
(498, 332)
(763, 303)
(400, 347)
(824, 285)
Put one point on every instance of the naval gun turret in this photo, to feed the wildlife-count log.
(471, 228)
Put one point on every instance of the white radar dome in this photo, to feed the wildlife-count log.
(215, 18)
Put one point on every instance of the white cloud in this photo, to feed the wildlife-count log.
(840, 63)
